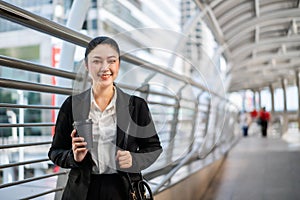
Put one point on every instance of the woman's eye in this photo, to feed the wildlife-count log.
(111, 61)
(96, 61)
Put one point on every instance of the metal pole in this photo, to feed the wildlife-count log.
(13, 120)
(174, 125)
(285, 117)
(259, 98)
(283, 83)
(21, 135)
(272, 97)
(254, 99)
(298, 90)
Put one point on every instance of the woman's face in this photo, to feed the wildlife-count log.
(103, 65)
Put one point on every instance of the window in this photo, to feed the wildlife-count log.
(292, 98)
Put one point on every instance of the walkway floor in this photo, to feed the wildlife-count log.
(259, 169)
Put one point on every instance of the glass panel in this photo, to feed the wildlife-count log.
(278, 95)
(266, 99)
(292, 98)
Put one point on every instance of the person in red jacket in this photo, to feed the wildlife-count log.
(253, 114)
(264, 118)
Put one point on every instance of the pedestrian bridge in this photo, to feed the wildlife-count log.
(204, 154)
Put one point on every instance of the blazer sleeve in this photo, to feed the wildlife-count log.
(60, 152)
(148, 143)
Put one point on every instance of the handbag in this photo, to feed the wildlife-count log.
(139, 189)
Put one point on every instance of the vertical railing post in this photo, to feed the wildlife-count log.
(174, 124)
(194, 123)
(207, 118)
(21, 134)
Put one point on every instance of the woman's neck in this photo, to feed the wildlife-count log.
(103, 96)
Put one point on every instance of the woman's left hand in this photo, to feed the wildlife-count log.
(124, 158)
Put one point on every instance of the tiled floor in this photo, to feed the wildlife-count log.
(259, 169)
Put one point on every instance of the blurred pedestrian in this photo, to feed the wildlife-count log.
(264, 118)
(253, 115)
(245, 121)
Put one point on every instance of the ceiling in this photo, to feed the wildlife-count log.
(259, 38)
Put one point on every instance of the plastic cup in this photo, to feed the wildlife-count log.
(85, 129)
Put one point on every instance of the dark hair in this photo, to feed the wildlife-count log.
(101, 40)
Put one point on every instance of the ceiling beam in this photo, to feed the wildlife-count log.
(236, 30)
(259, 82)
(261, 76)
(270, 60)
(266, 57)
(257, 12)
(256, 37)
(282, 49)
(271, 25)
(292, 29)
(233, 11)
(271, 67)
(295, 26)
(244, 51)
(238, 86)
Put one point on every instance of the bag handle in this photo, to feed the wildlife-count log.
(142, 184)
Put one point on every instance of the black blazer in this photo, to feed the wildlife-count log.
(133, 122)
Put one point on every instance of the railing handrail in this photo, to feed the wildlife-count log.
(10, 105)
(7, 146)
(32, 179)
(29, 66)
(34, 86)
(23, 163)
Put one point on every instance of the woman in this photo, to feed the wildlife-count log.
(124, 136)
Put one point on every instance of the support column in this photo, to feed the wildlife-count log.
(254, 99)
(298, 94)
(271, 88)
(244, 100)
(259, 99)
(285, 115)
(283, 83)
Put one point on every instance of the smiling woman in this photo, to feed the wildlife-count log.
(117, 118)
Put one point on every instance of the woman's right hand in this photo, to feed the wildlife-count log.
(78, 147)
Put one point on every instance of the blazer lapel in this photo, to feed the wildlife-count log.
(124, 109)
(81, 105)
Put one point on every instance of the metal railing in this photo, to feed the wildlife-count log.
(191, 130)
